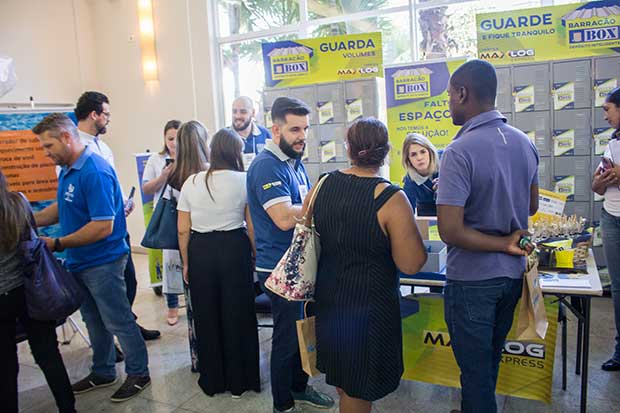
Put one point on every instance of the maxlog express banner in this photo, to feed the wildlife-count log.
(417, 101)
(526, 368)
(549, 33)
(327, 59)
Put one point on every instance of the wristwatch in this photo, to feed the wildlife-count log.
(58, 245)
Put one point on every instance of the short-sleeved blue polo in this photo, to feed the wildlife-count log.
(89, 191)
(273, 178)
(255, 142)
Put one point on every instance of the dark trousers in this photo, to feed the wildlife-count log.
(44, 347)
(479, 315)
(286, 373)
(130, 277)
(224, 315)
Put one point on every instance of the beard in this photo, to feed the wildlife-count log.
(288, 149)
(101, 130)
(243, 126)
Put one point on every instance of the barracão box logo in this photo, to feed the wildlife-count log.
(548, 33)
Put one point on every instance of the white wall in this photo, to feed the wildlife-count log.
(50, 53)
(63, 47)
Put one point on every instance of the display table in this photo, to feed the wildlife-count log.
(579, 305)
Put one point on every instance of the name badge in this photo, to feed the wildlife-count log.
(303, 191)
(247, 159)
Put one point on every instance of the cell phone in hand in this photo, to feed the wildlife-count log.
(169, 161)
(129, 203)
(607, 163)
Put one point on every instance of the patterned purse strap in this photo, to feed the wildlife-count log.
(307, 218)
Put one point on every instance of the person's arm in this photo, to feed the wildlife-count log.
(154, 185)
(285, 215)
(250, 225)
(396, 217)
(89, 234)
(47, 216)
(184, 224)
(603, 179)
(533, 199)
(454, 232)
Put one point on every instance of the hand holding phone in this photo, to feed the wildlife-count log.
(129, 204)
(169, 161)
(607, 163)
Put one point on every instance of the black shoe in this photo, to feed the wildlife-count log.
(611, 365)
(131, 388)
(149, 334)
(92, 382)
(119, 354)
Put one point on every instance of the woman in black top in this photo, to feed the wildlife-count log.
(368, 232)
(14, 215)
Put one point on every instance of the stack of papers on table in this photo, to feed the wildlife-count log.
(553, 281)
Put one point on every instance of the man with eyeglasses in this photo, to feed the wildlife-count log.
(93, 114)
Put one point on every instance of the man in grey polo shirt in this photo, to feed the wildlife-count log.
(488, 187)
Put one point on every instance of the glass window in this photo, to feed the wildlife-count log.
(318, 9)
(394, 28)
(244, 16)
(243, 73)
(450, 31)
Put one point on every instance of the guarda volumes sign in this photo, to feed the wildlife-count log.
(327, 59)
(549, 33)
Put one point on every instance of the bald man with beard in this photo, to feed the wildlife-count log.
(254, 136)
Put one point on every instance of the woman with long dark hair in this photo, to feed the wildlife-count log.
(606, 182)
(217, 252)
(14, 216)
(192, 156)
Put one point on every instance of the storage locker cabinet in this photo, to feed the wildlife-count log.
(572, 85)
(606, 78)
(572, 133)
(537, 126)
(545, 173)
(361, 99)
(330, 103)
(572, 177)
(503, 101)
(536, 76)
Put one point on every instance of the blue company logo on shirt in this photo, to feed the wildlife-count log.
(69, 195)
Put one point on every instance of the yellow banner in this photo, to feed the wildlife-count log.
(327, 59)
(549, 33)
(526, 368)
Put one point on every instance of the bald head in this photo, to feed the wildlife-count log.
(242, 115)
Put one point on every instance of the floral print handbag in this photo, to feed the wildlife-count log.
(295, 275)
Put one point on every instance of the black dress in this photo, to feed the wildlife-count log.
(358, 327)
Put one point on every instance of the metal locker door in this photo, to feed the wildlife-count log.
(269, 95)
(581, 209)
(331, 143)
(361, 99)
(508, 117)
(537, 77)
(330, 101)
(572, 177)
(572, 84)
(606, 78)
(313, 170)
(545, 173)
(334, 166)
(503, 102)
(307, 95)
(312, 145)
(601, 132)
(572, 132)
(537, 126)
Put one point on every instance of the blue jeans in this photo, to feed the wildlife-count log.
(107, 313)
(286, 373)
(479, 315)
(172, 300)
(610, 227)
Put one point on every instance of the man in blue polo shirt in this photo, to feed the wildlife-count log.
(254, 136)
(277, 184)
(92, 219)
(489, 186)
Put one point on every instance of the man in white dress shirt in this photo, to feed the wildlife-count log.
(93, 114)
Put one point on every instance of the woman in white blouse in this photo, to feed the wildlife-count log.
(156, 173)
(217, 250)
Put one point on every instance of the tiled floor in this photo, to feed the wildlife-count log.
(174, 387)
